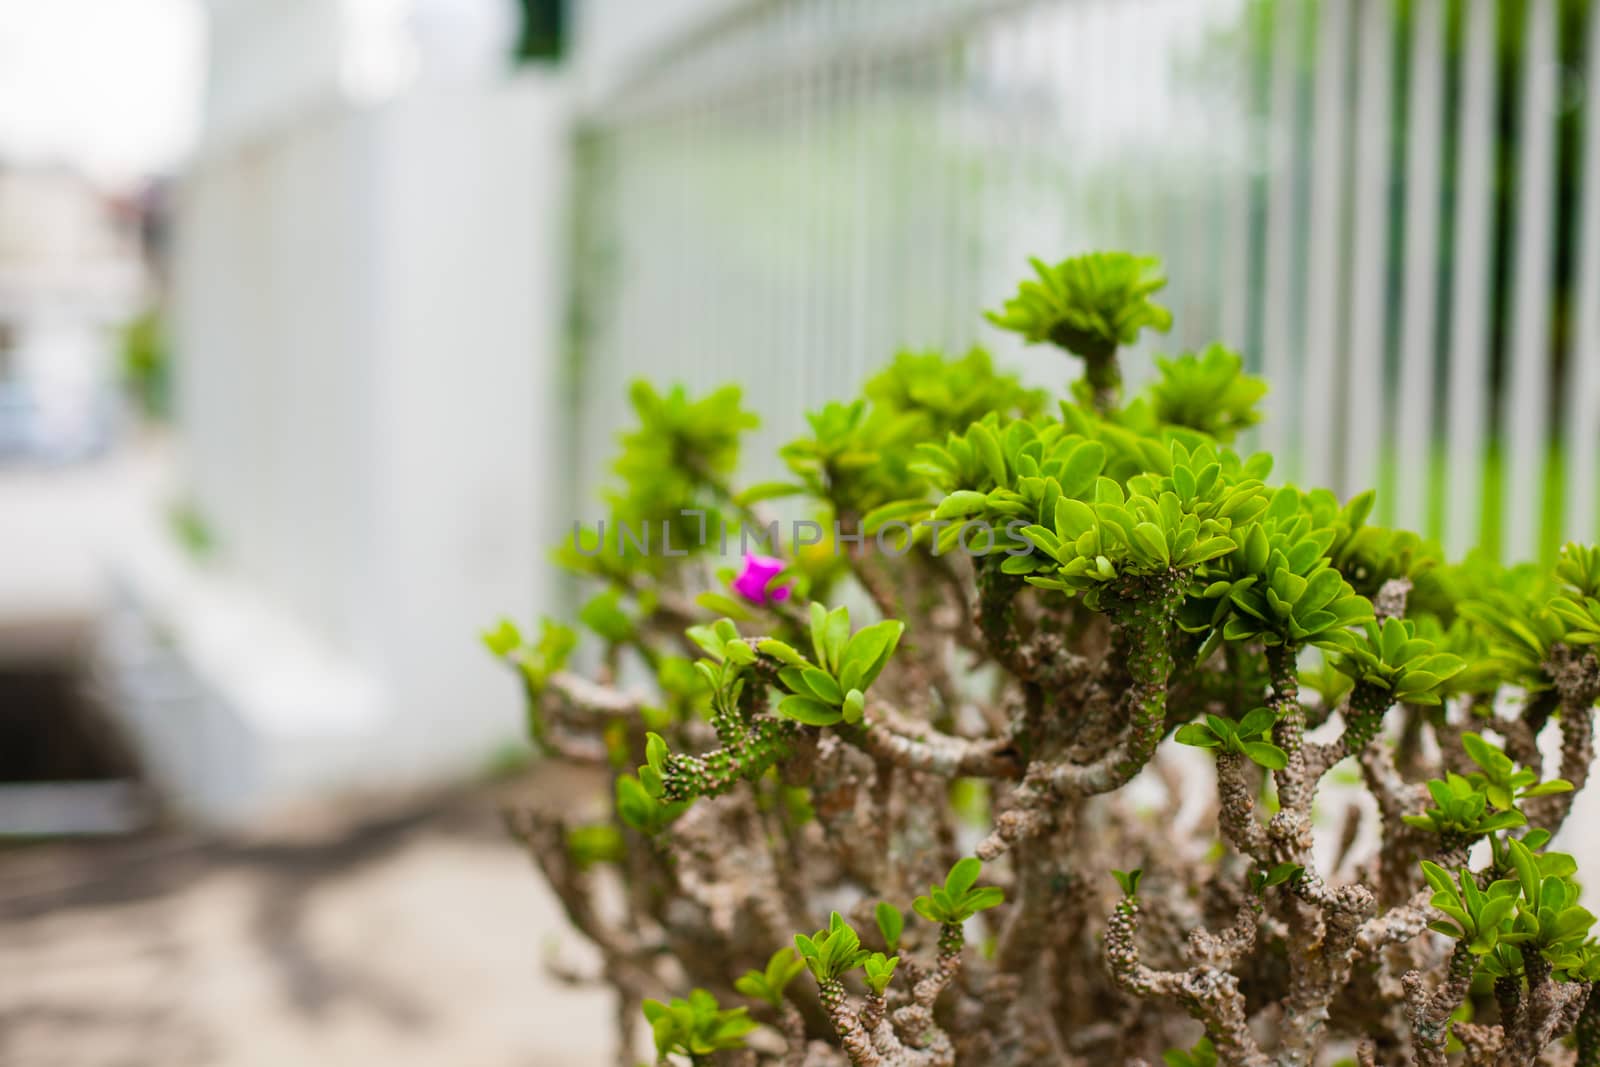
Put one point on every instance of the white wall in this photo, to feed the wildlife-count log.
(369, 321)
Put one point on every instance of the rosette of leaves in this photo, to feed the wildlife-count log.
(1247, 737)
(860, 456)
(949, 394)
(1479, 918)
(677, 458)
(1121, 535)
(1393, 664)
(879, 971)
(1089, 304)
(833, 689)
(1578, 569)
(996, 473)
(857, 458)
(832, 952)
(1516, 625)
(769, 983)
(1461, 810)
(1502, 782)
(1549, 919)
(696, 1027)
(1206, 391)
(960, 897)
(1278, 586)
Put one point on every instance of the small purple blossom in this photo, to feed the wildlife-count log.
(752, 581)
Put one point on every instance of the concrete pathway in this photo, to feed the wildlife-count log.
(413, 935)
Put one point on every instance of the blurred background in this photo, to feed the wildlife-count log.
(316, 320)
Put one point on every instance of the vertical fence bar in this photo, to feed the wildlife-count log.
(1414, 401)
(1321, 342)
(1527, 388)
(1582, 439)
(1469, 297)
(1277, 306)
(1364, 423)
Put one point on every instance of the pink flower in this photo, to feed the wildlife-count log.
(752, 581)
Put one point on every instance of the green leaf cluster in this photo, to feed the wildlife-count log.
(1089, 304)
(697, 1026)
(1502, 782)
(1247, 737)
(1394, 660)
(1279, 586)
(769, 983)
(832, 952)
(959, 898)
(833, 690)
(1461, 810)
(860, 456)
(1206, 391)
(1536, 910)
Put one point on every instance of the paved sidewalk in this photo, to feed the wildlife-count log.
(413, 935)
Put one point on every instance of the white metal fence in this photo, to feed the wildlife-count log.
(1391, 206)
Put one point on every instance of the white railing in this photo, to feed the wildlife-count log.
(1364, 203)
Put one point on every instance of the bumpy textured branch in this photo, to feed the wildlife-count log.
(915, 746)
(1209, 993)
(1429, 1014)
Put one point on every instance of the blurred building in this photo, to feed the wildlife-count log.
(367, 319)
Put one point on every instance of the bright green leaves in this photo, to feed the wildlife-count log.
(696, 1027)
(504, 639)
(1461, 810)
(1279, 586)
(835, 951)
(832, 952)
(538, 661)
(859, 456)
(947, 394)
(1146, 533)
(834, 692)
(1476, 916)
(1089, 305)
(1392, 658)
(768, 985)
(1247, 737)
(1128, 881)
(1500, 779)
(1535, 911)
(1549, 919)
(891, 923)
(879, 971)
(960, 897)
(673, 462)
(638, 808)
(1208, 392)
(1578, 571)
